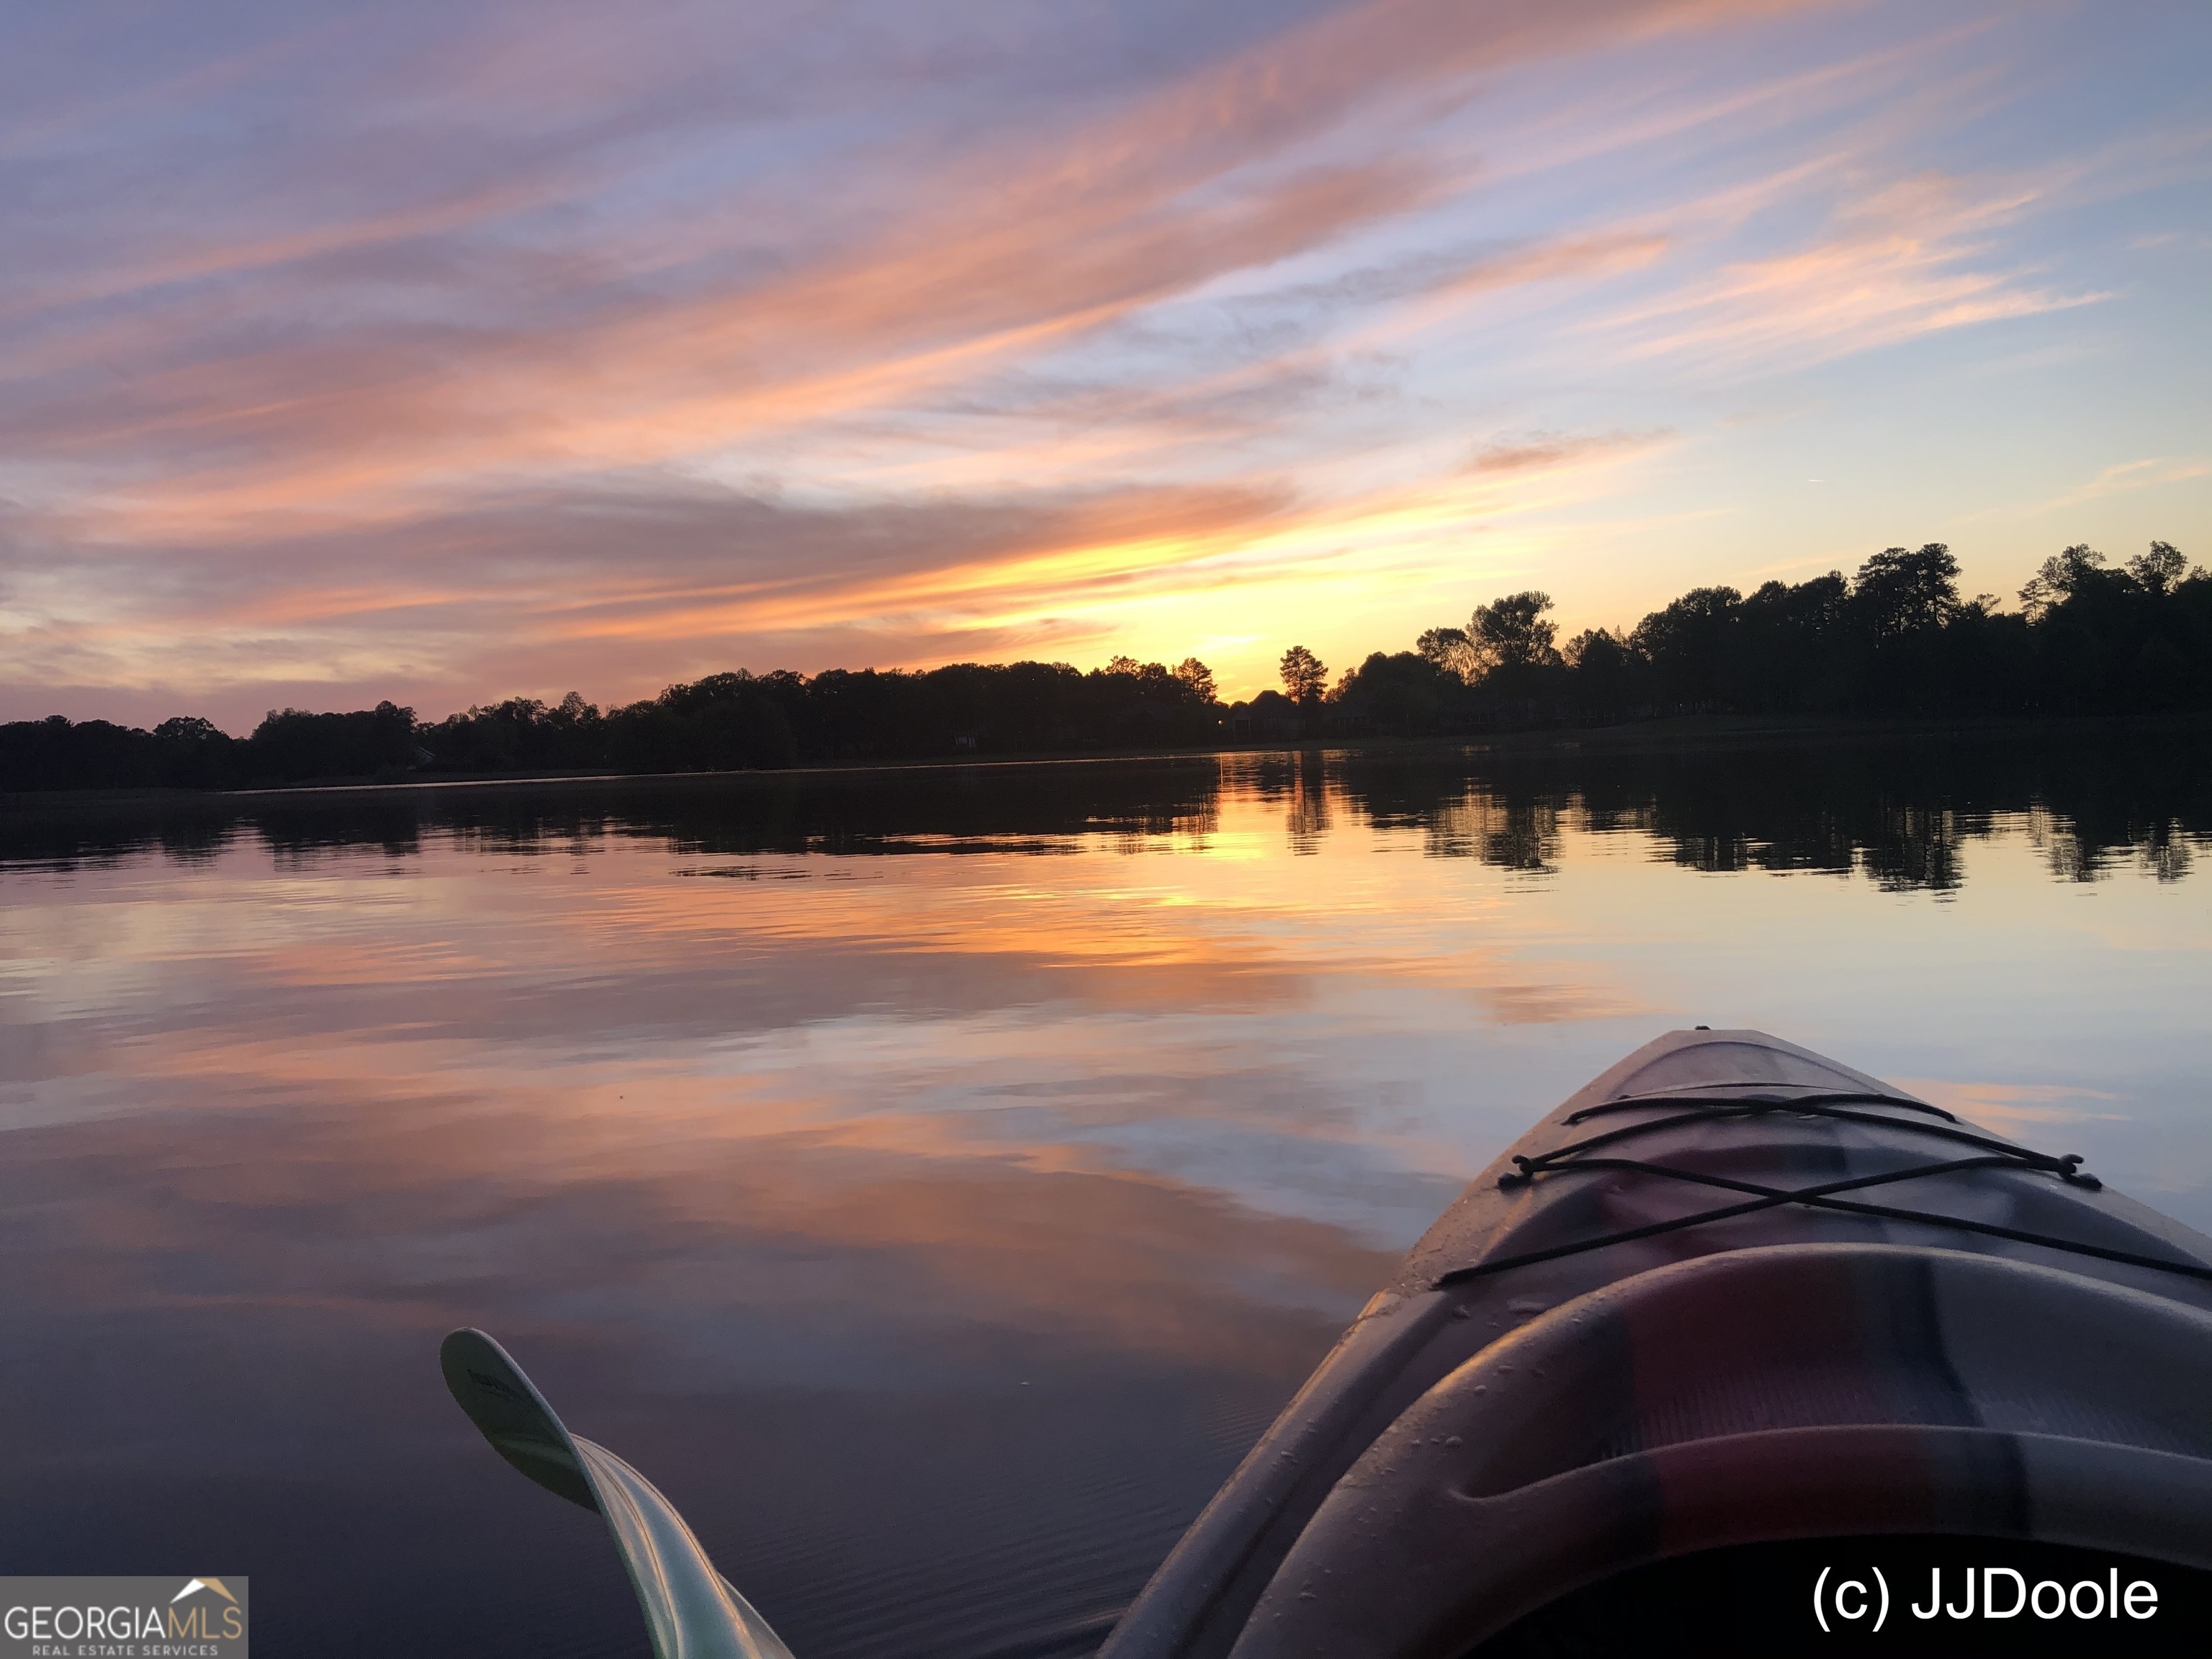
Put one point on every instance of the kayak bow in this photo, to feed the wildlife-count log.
(1730, 1294)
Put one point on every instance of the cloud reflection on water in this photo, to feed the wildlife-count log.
(937, 1227)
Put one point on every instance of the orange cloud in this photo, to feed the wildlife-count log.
(1547, 451)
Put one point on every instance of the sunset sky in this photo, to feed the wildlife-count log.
(458, 351)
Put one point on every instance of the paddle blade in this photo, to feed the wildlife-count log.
(691, 1612)
(513, 1415)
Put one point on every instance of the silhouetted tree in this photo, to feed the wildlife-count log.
(1447, 649)
(292, 745)
(2065, 574)
(2159, 570)
(1602, 673)
(1899, 593)
(1794, 647)
(1692, 648)
(1901, 603)
(1402, 692)
(721, 723)
(1510, 633)
(1304, 676)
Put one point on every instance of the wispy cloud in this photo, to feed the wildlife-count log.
(1548, 451)
(1909, 258)
(2131, 474)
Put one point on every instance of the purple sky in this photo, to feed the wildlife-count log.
(452, 352)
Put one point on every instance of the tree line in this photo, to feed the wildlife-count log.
(2088, 638)
(723, 722)
(1897, 638)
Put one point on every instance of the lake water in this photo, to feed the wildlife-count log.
(933, 1181)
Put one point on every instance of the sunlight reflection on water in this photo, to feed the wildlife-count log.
(933, 1181)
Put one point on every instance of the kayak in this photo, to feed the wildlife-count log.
(1739, 1349)
(1732, 1313)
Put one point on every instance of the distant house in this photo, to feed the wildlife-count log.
(1352, 718)
(1271, 717)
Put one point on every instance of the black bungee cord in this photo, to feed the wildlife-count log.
(1707, 1109)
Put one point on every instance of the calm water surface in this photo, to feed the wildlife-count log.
(934, 1181)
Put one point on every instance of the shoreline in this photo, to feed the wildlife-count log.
(1668, 735)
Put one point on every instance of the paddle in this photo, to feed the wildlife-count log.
(691, 1612)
